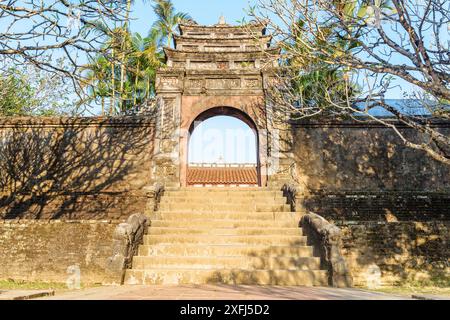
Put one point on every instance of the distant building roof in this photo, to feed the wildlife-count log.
(222, 176)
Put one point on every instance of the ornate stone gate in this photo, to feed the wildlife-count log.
(220, 70)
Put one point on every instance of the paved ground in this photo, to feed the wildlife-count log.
(24, 294)
(429, 297)
(222, 292)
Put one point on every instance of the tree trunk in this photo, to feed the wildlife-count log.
(169, 39)
(136, 83)
(123, 49)
(113, 81)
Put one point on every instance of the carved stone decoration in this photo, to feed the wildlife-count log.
(234, 83)
(214, 66)
(195, 83)
(223, 83)
(327, 239)
(252, 83)
(169, 81)
(126, 240)
(202, 65)
(168, 114)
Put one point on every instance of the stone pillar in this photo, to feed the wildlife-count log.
(166, 160)
(281, 160)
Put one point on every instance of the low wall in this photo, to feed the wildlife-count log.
(73, 206)
(378, 206)
(37, 250)
(401, 251)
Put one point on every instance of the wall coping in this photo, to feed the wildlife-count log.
(356, 223)
(377, 193)
(56, 221)
(67, 192)
(123, 121)
(148, 121)
(363, 123)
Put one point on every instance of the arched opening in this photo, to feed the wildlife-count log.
(223, 149)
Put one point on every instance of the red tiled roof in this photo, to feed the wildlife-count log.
(222, 176)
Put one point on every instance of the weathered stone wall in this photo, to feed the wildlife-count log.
(361, 171)
(74, 168)
(392, 203)
(38, 250)
(403, 251)
(339, 156)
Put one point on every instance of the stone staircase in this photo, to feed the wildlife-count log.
(225, 235)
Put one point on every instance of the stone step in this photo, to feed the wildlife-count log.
(224, 223)
(193, 188)
(227, 239)
(223, 193)
(226, 276)
(221, 201)
(223, 231)
(228, 194)
(222, 207)
(214, 250)
(243, 215)
(230, 262)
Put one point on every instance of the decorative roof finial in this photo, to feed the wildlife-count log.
(222, 20)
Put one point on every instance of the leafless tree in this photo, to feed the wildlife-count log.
(31, 31)
(366, 49)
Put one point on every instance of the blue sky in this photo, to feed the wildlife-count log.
(203, 11)
(222, 139)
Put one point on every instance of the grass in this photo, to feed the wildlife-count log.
(36, 285)
(436, 285)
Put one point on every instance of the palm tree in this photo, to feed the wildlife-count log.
(126, 70)
(311, 82)
(147, 57)
(123, 49)
(96, 80)
(167, 19)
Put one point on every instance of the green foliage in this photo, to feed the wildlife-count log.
(142, 58)
(125, 72)
(29, 91)
(167, 19)
(320, 85)
(16, 95)
(315, 83)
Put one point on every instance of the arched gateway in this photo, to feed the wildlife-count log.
(220, 70)
(224, 173)
(221, 235)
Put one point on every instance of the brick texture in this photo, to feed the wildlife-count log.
(379, 206)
